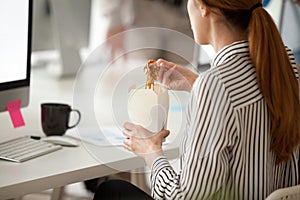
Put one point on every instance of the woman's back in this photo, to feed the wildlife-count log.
(252, 170)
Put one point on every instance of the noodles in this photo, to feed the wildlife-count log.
(151, 70)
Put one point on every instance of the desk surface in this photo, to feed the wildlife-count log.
(70, 165)
(66, 166)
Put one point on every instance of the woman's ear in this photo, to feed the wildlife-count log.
(204, 10)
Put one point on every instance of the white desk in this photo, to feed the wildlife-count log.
(69, 165)
(66, 166)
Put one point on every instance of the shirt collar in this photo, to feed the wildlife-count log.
(229, 51)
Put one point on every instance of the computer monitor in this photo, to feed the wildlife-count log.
(15, 51)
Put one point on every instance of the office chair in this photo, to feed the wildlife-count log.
(289, 193)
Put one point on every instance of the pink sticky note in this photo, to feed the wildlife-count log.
(14, 109)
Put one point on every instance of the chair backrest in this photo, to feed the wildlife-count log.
(290, 193)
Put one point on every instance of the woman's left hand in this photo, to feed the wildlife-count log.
(144, 143)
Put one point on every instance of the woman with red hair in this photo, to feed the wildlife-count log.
(242, 135)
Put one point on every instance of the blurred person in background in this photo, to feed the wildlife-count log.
(122, 15)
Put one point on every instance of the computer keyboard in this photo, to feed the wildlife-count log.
(25, 148)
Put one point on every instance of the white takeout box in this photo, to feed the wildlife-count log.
(149, 108)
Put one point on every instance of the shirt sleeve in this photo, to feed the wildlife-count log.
(205, 159)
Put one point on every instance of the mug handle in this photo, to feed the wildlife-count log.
(79, 117)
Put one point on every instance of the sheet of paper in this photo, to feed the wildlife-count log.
(106, 136)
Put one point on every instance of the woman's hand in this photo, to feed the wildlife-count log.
(144, 143)
(175, 77)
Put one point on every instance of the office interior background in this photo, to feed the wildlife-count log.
(65, 32)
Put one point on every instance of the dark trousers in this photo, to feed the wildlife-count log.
(120, 190)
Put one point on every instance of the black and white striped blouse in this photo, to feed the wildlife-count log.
(225, 152)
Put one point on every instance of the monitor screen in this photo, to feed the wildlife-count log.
(15, 51)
